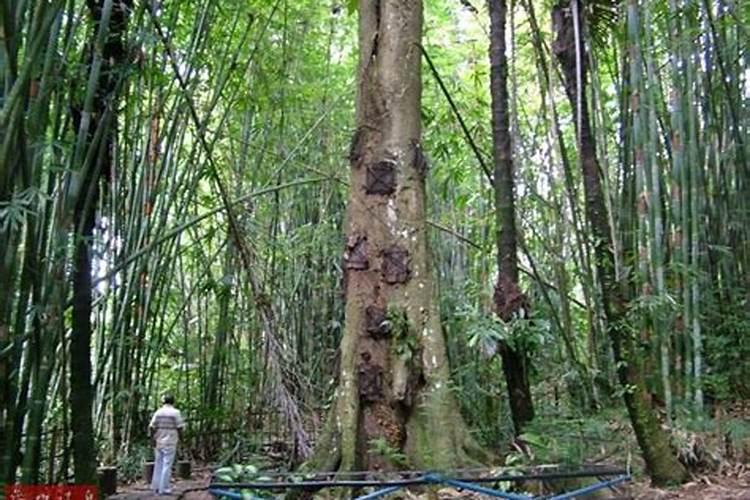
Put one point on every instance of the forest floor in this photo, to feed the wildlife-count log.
(188, 489)
(731, 485)
(720, 449)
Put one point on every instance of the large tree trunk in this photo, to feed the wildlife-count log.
(393, 407)
(661, 462)
(510, 301)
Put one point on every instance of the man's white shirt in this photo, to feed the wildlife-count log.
(165, 422)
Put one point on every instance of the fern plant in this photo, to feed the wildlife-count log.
(380, 446)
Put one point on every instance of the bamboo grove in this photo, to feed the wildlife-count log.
(173, 182)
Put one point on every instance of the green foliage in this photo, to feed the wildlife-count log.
(728, 349)
(130, 465)
(526, 333)
(573, 440)
(351, 6)
(657, 307)
(737, 429)
(238, 473)
(601, 16)
(405, 341)
(379, 446)
(13, 213)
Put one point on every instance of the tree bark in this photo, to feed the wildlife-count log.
(570, 49)
(393, 407)
(510, 301)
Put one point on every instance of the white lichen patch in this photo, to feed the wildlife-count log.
(391, 211)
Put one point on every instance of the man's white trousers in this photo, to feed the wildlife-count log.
(163, 460)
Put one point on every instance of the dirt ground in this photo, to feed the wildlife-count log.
(731, 484)
(181, 490)
(192, 489)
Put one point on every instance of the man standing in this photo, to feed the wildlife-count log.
(165, 428)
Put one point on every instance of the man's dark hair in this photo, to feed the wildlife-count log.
(167, 399)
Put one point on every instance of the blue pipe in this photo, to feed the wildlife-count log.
(438, 479)
(231, 494)
(591, 488)
(224, 494)
(435, 478)
(379, 493)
